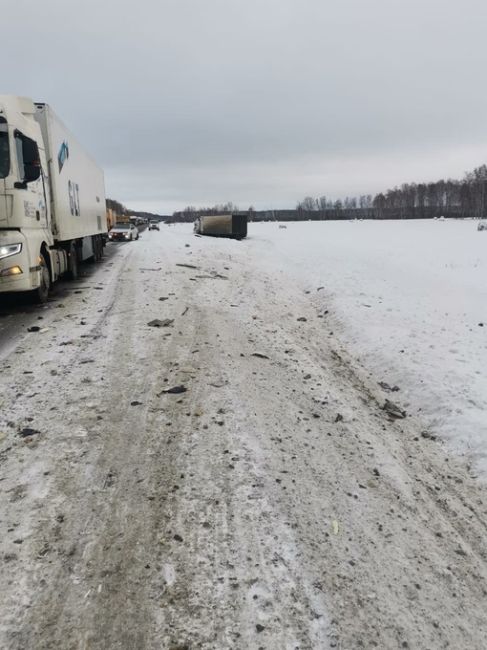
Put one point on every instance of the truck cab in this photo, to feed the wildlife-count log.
(25, 232)
(52, 199)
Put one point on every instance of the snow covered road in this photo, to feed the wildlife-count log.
(272, 504)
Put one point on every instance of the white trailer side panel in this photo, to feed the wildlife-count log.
(77, 183)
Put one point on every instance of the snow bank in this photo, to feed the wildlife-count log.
(409, 299)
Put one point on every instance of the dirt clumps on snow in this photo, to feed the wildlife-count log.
(250, 507)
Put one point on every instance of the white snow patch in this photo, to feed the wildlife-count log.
(411, 299)
(169, 574)
(407, 298)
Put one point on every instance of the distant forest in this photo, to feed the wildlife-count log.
(449, 198)
(120, 210)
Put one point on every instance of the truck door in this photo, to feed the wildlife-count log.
(4, 170)
(31, 180)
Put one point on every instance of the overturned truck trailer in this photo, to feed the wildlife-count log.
(222, 225)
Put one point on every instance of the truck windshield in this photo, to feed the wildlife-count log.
(4, 149)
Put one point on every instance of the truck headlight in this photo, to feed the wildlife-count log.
(9, 249)
(12, 270)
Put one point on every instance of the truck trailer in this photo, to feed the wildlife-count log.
(52, 199)
(222, 225)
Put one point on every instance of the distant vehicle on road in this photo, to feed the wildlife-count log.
(123, 232)
(482, 225)
(154, 225)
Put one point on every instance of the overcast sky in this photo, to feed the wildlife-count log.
(192, 102)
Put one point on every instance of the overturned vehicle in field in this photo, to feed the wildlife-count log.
(222, 225)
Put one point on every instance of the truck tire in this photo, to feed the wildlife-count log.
(42, 292)
(97, 248)
(73, 272)
(100, 247)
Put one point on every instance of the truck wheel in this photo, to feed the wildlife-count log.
(73, 262)
(97, 248)
(42, 292)
(100, 247)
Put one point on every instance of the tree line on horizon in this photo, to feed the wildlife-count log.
(121, 211)
(190, 213)
(448, 198)
(117, 207)
(466, 198)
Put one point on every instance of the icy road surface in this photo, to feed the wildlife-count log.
(273, 504)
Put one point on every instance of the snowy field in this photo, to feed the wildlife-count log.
(194, 450)
(409, 300)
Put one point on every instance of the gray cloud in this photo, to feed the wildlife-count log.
(257, 101)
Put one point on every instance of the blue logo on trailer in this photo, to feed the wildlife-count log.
(63, 155)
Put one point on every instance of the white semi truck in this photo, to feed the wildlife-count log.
(52, 199)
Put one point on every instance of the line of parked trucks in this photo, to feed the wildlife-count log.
(52, 201)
